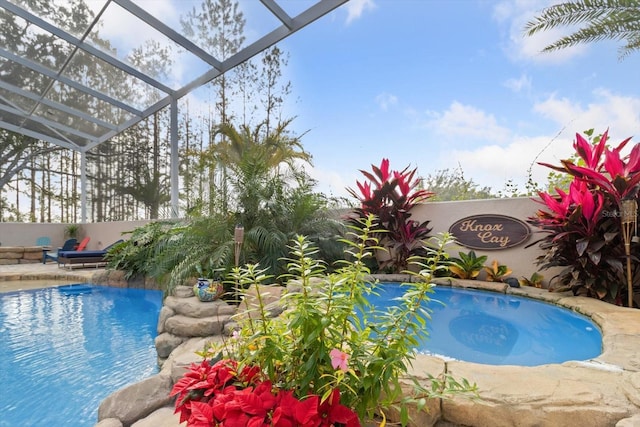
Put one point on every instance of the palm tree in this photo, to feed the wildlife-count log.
(246, 144)
(273, 204)
(602, 20)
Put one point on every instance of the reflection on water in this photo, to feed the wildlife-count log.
(485, 333)
(65, 350)
(498, 329)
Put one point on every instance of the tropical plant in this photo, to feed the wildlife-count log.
(602, 19)
(390, 196)
(467, 266)
(197, 244)
(583, 225)
(328, 354)
(72, 231)
(271, 198)
(449, 184)
(535, 280)
(136, 255)
(274, 198)
(497, 272)
(259, 145)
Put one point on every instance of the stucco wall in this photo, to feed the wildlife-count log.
(101, 234)
(440, 214)
(520, 259)
(26, 234)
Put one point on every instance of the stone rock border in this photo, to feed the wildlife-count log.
(604, 391)
(20, 255)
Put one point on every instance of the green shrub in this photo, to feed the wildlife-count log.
(320, 343)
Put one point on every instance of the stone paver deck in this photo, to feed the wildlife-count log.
(37, 275)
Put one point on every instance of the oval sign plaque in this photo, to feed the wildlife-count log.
(490, 232)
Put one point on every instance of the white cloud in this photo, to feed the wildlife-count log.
(119, 26)
(621, 114)
(494, 165)
(467, 121)
(386, 100)
(513, 16)
(522, 84)
(331, 182)
(355, 8)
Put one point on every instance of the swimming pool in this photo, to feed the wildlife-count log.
(65, 349)
(500, 329)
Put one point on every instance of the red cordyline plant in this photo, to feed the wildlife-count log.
(583, 225)
(390, 195)
(223, 394)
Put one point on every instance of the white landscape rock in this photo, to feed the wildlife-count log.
(193, 307)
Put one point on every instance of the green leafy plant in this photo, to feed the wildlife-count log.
(467, 266)
(72, 231)
(583, 226)
(136, 255)
(497, 272)
(328, 346)
(390, 196)
(535, 280)
(273, 203)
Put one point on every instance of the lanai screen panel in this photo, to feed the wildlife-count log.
(75, 73)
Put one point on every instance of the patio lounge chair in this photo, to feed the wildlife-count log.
(83, 244)
(96, 258)
(43, 241)
(70, 244)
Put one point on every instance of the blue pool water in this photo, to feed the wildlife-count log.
(498, 329)
(63, 350)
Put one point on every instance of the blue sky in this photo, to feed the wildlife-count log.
(437, 84)
(446, 84)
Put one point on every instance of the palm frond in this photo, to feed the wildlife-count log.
(602, 19)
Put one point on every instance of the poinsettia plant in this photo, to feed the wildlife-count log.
(224, 394)
(583, 224)
(329, 358)
(390, 195)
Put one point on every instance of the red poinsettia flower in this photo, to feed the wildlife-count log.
(332, 412)
(257, 402)
(201, 415)
(213, 396)
(232, 414)
(194, 378)
(218, 404)
(250, 374)
(306, 411)
(284, 414)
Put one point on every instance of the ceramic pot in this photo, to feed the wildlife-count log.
(207, 290)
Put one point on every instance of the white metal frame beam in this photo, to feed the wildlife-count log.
(289, 26)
